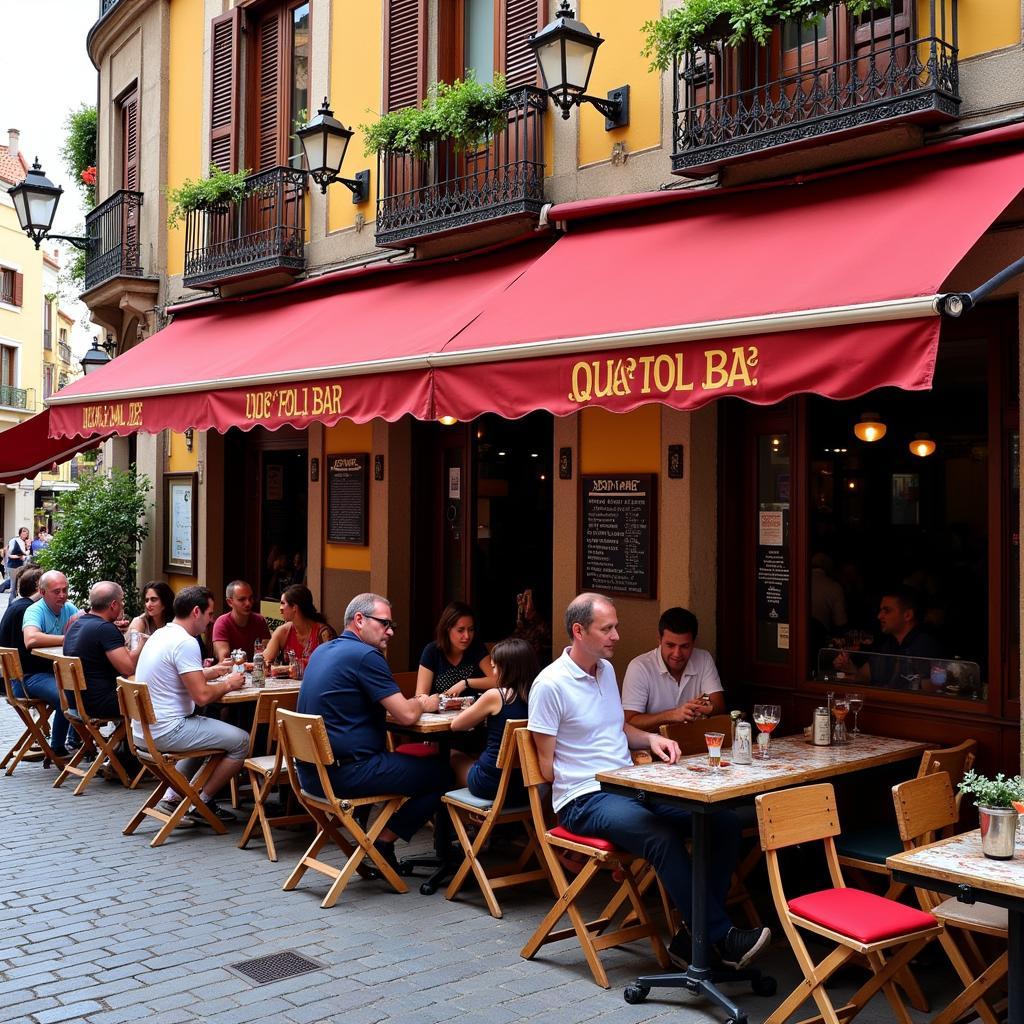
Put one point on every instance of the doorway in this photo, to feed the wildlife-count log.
(484, 535)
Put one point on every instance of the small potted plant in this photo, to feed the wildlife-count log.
(997, 801)
(215, 192)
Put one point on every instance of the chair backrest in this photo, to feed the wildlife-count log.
(137, 706)
(508, 752)
(406, 682)
(305, 737)
(70, 678)
(924, 806)
(265, 713)
(529, 761)
(954, 761)
(690, 735)
(800, 815)
(10, 669)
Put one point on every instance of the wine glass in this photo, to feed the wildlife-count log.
(856, 703)
(766, 718)
(714, 742)
(840, 709)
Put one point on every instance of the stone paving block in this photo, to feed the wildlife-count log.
(22, 1009)
(69, 1011)
(243, 1014)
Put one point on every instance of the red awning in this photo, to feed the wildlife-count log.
(826, 285)
(27, 448)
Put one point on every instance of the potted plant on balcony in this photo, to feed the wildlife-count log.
(705, 23)
(996, 800)
(214, 192)
(464, 113)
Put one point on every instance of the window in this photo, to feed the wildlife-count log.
(63, 335)
(47, 324)
(489, 36)
(47, 380)
(8, 366)
(11, 283)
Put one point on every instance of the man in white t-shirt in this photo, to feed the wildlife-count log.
(171, 663)
(577, 722)
(676, 682)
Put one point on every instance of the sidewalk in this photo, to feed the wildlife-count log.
(97, 927)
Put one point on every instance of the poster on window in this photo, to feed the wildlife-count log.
(180, 496)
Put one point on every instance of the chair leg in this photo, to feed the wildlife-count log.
(15, 747)
(72, 764)
(151, 801)
(36, 728)
(974, 994)
(308, 859)
(471, 850)
(259, 815)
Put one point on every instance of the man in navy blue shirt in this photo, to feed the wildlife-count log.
(348, 683)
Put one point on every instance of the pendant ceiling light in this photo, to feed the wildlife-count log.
(922, 446)
(870, 427)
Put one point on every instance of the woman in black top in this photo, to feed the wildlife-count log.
(516, 667)
(456, 663)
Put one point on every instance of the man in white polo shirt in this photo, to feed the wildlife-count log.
(577, 722)
(669, 683)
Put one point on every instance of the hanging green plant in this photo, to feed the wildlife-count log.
(219, 187)
(79, 150)
(464, 113)
(703, 23)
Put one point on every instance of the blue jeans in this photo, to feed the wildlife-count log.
(423, 779)
(657, 833)
(43, 686)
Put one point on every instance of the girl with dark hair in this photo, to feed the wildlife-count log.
(516, 667)
(455, 657)
(158, 605)
(303, 630)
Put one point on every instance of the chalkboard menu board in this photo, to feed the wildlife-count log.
(617, 546)
(348, 496)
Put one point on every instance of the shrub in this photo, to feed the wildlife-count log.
(79, 150)
(219, 187)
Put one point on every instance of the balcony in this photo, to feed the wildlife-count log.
(831, 79)
(105, 5)
(113, 232)
(480, 196)
(13, 398)
(64, 353)
(255, 242)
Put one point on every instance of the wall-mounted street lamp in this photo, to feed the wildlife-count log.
(565, 50)
(97, 357)
(324, 142)
(35, 201)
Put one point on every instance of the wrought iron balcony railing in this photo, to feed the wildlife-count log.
(105, 5)
(832, 75)
(264, 231)
(13, 398)
(64, 352)
(113, 232)
(448, 190)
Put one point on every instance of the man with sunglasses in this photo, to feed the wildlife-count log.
(348, 682)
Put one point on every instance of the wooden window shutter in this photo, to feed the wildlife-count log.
(518, 20)
(224, 50)
(130, 141)
(405, 63)
(19, 289)
(270, 100)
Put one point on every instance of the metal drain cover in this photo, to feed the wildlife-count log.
(276, 967)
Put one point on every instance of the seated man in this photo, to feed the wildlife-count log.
(577, 722)
(241, 627)
(676, 682)
(899, 613)
(11, 624)
(44, 625)
(172, 664)
(349, 683)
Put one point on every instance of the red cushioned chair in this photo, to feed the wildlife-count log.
(601, 933)
(859, 923)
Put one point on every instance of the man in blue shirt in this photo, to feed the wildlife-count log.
(348, 683)
(44, 625)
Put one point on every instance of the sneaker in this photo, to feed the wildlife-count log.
(741, 945)
(221, 813)
(680, 949)
(169, 807)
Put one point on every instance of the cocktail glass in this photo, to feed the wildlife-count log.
(766, 718)
(840, 709)
(856, 701)
(714, 742)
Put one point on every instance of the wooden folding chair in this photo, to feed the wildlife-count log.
(34, 715)
(464, 808)
(71, 686)
(860, 923)
(927, 810)
(266, 772)
(136, 706)
(593, 936)
(304, 738)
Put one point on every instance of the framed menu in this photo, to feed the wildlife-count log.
(348, 498)
(618, 530)
(181, 519)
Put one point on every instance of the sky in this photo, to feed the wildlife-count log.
(41, 86)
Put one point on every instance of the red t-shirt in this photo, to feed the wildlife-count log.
(226, 629)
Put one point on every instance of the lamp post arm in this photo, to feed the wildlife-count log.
(78, 241)
(957, 303)
(615, 107)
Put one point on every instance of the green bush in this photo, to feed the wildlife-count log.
(219, 187)
(79, 149)
(463, 113)
(706, 22)
(100, 529)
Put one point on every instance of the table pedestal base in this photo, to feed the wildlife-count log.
(702, 981)
(441, 869)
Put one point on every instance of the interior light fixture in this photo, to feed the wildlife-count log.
(869, 428)
(922, 446)
(447, 421)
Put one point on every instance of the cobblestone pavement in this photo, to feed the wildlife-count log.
(98, 927)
